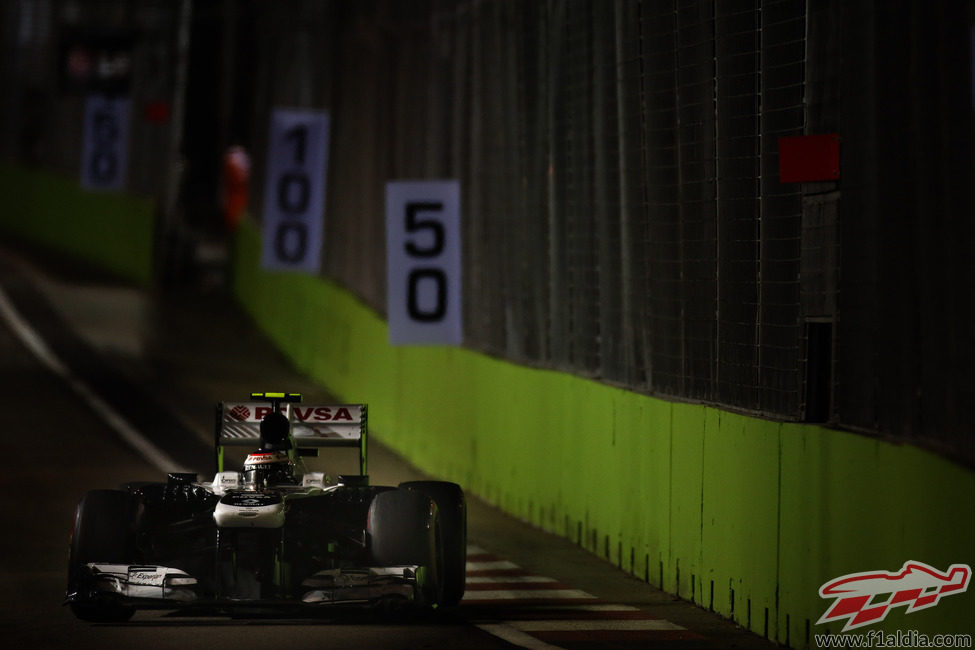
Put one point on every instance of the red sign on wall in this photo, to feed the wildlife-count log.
(808, 158)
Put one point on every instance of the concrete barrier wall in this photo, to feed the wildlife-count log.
(113, 231)
(742, 515)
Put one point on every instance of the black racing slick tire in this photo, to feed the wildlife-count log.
(452, 506)
(102, 533)
(404, 530)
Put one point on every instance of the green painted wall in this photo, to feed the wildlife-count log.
(113, 231)
(743, 515)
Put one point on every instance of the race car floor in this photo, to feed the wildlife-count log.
(162, 359)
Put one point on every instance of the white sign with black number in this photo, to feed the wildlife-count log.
(294, 191)
(423, 262)
(105, 143)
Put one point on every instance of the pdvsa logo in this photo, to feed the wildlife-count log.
(240, 412)
(313, 413)
(348, 414)
(866, 598)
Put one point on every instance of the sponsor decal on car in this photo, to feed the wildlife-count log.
(151, 578)
(250, 499)
(266, 457)
(240, 412)
(349, 414)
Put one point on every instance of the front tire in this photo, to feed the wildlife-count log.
(102, 533)
(404, 530)
(452, 506)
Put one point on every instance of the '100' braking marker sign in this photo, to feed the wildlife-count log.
(294, 191)
(423, 262)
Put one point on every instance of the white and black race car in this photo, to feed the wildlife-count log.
(272, 535)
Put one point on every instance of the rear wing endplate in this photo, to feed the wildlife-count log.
(238, 424)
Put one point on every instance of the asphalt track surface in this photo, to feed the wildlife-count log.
(89, 367)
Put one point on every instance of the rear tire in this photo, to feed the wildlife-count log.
(404, 529)
(102, 533)
(452, 506)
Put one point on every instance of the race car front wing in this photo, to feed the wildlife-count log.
(159, 587)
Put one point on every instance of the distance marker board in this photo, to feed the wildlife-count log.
(423, 262)
(294, 190)
(105, 142)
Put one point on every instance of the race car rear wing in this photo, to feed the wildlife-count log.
(312, 426)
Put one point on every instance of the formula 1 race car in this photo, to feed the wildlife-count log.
(272, 535)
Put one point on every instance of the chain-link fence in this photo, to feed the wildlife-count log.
(623, 214)
(619, 165)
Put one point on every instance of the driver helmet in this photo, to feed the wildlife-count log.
(264, 467)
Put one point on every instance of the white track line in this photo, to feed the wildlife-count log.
(476, 580)
(526, 594)
(595, 625)
(610, 608)
(491, 565)
(516, 637)
(492, 569)
(33, 342)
